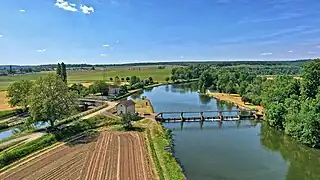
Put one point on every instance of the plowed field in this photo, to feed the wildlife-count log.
(111, 155)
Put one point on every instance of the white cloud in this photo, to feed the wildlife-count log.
(1, 36)
(86, 9)
(181, 57)
(117, 41)
(103, 55)
(311, 52)
(22, 10)
(106, 45)
(41, 50)
(290, 51)
(266, 54)
(65, 5)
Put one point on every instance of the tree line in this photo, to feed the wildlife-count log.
(194, 71)
(291, 105)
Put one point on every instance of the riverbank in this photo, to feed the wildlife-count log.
(160, 149)
(235, 99)
(144, 106)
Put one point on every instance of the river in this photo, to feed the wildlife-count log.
(230, 151)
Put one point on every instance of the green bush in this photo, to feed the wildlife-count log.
(78, 116)
(7, 114)
(15, 154)
(4, 126)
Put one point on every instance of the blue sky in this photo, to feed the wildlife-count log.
(120, 31)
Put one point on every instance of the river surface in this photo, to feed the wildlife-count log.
(230, 151)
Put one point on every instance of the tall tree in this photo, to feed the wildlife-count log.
(18, 93)
(117, 81)
(310, 81)
(59, 70)
(102, 87)
(167, 79)
(50, 100)
(205, 81)
(134, 80)
(150, 80)
(63, 72)
(10, 69)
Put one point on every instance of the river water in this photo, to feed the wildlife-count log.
(230, 151)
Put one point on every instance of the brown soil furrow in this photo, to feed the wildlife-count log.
(148, 172)
(113, 156)
(57, 166)
(32, 162)
(87, 158)
(119, 156)
(66, 172)
(132, 153)
(126, 163)
(122, 169)
(103, 158)
(107, 157)
(63, 169)
(27, 169)
(95, 163)
(73, 175)
(139, 157)
(91, 158)
(111, 170)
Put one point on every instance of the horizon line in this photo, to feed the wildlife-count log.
(168, 61)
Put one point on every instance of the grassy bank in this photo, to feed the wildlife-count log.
(144, 106)
(7, 114)
(235, 99)
(158, 139)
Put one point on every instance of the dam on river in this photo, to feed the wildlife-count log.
(210, 116)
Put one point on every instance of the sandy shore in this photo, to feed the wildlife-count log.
(235, 99)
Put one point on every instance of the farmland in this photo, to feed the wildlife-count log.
(110, 155)
(78, 76)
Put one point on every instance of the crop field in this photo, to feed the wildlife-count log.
(111, 155)
(79, 76)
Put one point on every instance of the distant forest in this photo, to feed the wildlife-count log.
(181, 63)
(268, 67)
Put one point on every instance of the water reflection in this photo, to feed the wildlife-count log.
(166, 88)
(303, 162)
(137, 95)
(205, 99)
(230, 150)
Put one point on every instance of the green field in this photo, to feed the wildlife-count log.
(77, 76)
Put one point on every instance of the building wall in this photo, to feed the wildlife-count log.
(124, 109)
(131, 109)
(121, 109)
(113, 91)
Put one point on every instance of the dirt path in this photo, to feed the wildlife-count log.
(111, 155)
(34, 136)
(110, 106)
(27, 138)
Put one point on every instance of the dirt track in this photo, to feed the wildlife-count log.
(112, 155)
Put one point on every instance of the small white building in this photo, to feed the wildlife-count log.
(113, 90)
(124, 107)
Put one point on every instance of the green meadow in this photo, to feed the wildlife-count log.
(87, 76)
